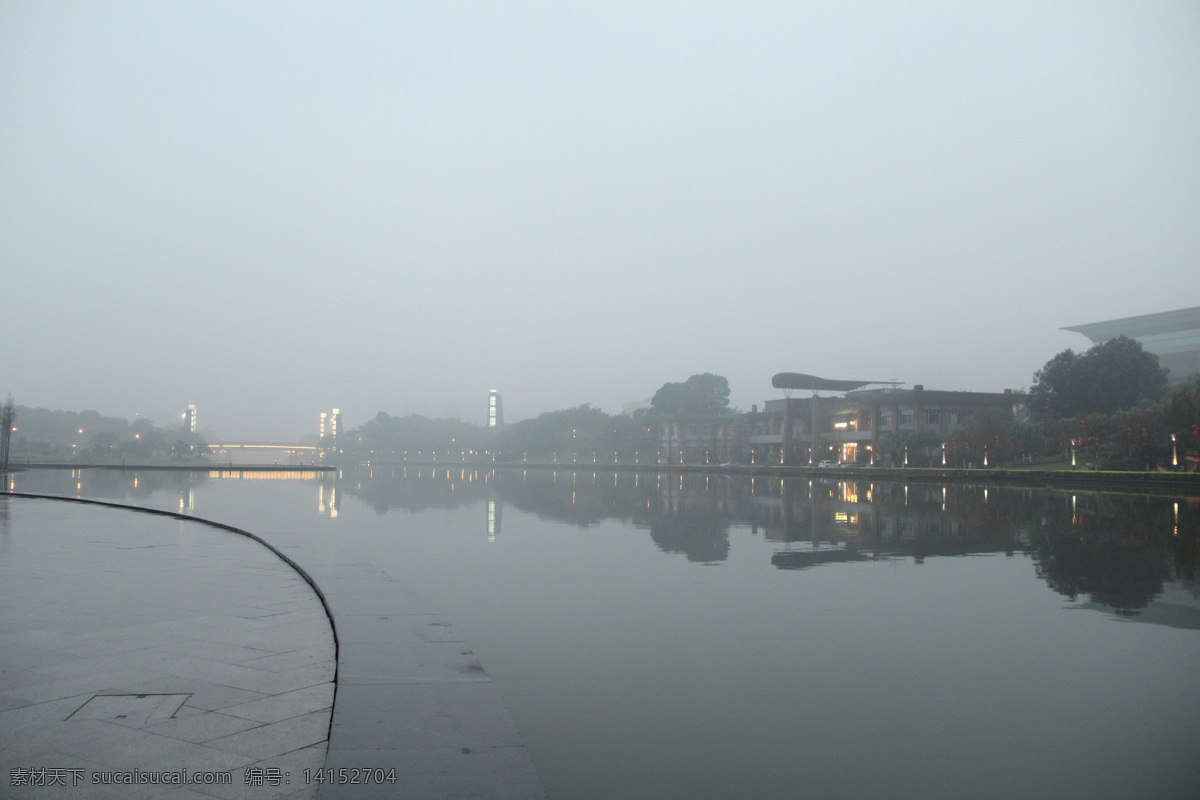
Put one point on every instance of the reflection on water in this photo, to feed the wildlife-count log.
(494, 510)
(264, 475)
(1119, 551)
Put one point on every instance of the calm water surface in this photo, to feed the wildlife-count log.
(718, 636)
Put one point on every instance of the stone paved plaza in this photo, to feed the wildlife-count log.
(139, 642)
(136, 642)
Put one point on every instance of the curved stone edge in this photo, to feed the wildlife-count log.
(503, 769)
(221, 526)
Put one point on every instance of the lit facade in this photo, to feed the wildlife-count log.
(495, 409)
(848, 429)
(330, 426)
(815, 430)
(189, 418)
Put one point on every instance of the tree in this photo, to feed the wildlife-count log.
(8, 416)
(918, 446)
(1108, 378)
(1183, 421)
(572, 430)
(699, 394)
(417, 433)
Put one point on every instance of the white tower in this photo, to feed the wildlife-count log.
(495, 410)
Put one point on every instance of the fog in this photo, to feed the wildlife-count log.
(273, 209)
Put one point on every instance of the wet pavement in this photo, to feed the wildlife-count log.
(133, 643)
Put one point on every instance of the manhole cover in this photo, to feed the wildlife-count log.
(130, 707)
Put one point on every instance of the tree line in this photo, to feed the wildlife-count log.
(583, 434)
(42, 434)
(1111, 407)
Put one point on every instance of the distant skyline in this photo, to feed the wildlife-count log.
(274, 209)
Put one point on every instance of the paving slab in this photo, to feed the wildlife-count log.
(130, 641)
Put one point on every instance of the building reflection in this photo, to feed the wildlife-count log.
(1104, 550)
(327, 506)
(494, 511)
(1081, 545)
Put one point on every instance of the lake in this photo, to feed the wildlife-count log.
(715, 636)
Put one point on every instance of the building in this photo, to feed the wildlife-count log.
(495, 410)
(844, 428)
(1173, 336)
(691, 439)
(189, 418)
(848, 429)
(330, 426)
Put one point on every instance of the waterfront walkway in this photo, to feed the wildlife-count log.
(134, 642)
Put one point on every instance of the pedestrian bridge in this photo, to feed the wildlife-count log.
(265, 453)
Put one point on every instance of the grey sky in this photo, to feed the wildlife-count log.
(270, 209)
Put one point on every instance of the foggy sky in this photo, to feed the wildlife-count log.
(272, 209)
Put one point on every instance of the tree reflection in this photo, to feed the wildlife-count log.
(1118, 551)
(695, 533)
(1114, 549)
(1124, 576)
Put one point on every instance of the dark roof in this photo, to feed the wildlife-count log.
(798, 380)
